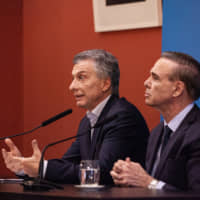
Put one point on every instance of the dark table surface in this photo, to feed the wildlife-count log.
(17, 192)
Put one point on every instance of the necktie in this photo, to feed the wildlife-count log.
(93, 118)
(166, 135)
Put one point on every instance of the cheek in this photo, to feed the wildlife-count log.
(163, 93)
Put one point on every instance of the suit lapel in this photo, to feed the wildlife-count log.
(98, 131)
(86, 140)
(172, 146)
(176, 140)
(153, 146)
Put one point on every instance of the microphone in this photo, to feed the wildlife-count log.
(44, 123)
(39, 183)
(56, 117)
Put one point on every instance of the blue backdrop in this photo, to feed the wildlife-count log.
(181, 27)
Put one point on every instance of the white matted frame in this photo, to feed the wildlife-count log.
(142, 14)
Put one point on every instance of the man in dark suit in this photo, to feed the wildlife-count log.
(173, 152)
(95, 87)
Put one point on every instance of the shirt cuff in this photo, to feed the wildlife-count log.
(45, 168)
(20, 173)
(160, 185)
(45, 163)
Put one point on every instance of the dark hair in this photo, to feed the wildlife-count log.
(105, 63)
(188, 71)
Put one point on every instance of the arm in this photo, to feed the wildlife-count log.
(180, 172)
(66, 169)
(186, 167)
(126, 136)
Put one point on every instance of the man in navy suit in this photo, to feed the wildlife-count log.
(95, 87)
(173, 156)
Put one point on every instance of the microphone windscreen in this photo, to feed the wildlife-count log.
(56, 117)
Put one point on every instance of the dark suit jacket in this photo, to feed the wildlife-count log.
(124, 136)
(179, 165)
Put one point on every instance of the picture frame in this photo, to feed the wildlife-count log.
(130, 15)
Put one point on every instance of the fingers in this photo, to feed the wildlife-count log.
(118, 166)
(119, 179)
(13, 163)
(128, 173)
(128, 159)
(115, 175)
(36, 150)
(10, 144)
(13, 148)
(31, 164)
(4, 154)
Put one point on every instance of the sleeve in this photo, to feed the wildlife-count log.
(186, 168)
(124, 137)
(65, 169)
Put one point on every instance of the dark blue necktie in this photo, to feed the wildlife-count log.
(166, 135)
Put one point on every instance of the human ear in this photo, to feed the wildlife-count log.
(178, 88)
(106, 85)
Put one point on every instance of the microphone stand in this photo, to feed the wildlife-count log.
(44, 123)
(19, 134)
(39, 184)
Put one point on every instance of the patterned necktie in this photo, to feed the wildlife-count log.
(93, 118)
(166, 135)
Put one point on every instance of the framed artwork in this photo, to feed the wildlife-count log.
(114, 15)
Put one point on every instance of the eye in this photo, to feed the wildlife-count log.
(155, 76)
(81, 77)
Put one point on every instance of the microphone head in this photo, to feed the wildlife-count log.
(56, 117)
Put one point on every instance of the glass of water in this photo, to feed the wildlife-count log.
(89, 172)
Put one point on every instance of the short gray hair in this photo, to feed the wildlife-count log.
(105, 63)
(188, 71)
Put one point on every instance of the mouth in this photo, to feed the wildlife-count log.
(78, 97)
(146, 94)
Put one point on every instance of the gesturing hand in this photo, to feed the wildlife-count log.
(11, 157)
(16, 163)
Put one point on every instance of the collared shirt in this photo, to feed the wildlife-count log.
(95, 113)
(173, 125)
(176, 121)
(93, 117)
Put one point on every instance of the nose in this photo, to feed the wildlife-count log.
(147, 82)
(72, 85)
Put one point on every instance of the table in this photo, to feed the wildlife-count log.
(16, 192)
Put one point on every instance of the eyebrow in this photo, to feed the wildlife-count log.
(80, 72)
(155, 75)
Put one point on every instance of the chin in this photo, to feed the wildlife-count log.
(148, 103)
(81, 105)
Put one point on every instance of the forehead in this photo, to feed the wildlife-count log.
(83, 66)
(164, 66)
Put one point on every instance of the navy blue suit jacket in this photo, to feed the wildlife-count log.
(179, 165)
(124, 136)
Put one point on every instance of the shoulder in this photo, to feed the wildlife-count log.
(192, 125)
(123, 105)
(126, 112)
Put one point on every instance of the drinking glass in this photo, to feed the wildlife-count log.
(89, 172)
